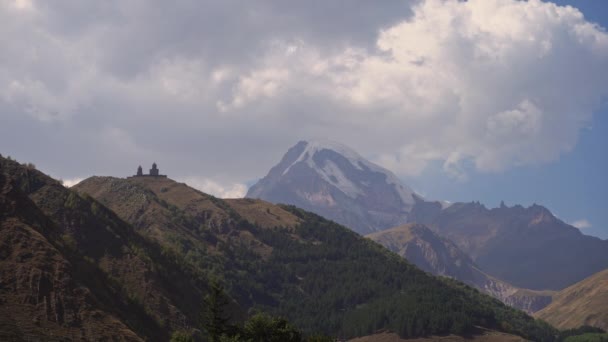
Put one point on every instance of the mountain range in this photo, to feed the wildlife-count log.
(440, 256)
(526, 247)
(131, 259)
(520, 255)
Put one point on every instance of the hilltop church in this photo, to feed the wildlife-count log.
(154, 172)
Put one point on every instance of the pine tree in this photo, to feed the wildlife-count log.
(214, 319)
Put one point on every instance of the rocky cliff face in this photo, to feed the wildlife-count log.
(527, 247)
(337, 183)
(439, 256)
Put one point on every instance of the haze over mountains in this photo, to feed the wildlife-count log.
(525, 248)
(440, 256)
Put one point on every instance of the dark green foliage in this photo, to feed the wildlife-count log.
(181, 336)
(215, 319)
(582, 334)
(323, 278)
(588, 337)
(259, 328)
(263, 328)
(330, 280)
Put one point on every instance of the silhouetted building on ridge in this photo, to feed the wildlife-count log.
(154, 172)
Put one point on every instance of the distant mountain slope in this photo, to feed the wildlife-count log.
(439, 256)
(71, 269)
(337, 183)
(584, 303)
(284, 260)
(527, 247)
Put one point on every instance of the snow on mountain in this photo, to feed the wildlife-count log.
(334, 181)
(332, 173)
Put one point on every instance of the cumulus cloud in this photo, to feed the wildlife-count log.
(234, 190)
(222, 89)
(498, 83)
(582, 224)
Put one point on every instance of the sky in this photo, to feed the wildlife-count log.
(484, 100)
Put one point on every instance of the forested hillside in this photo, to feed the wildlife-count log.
(286, 261)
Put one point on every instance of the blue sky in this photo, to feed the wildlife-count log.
(483, 100)
(574, 187)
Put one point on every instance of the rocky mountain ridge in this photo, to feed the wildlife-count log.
(439, 256)
(527, 247)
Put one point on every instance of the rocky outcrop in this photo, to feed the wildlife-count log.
(527, 247)
(439, 256)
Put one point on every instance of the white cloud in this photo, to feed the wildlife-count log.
(23, 5)
(489, 84)
(582, 224)
(233, 190)
(68, 183)
(500, 83)
(264, 83)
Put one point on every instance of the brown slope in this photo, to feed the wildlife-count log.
(98, 277)
(40, 297)
(41, 292)
(176, 215)
(285, 261)
(584, 303)
(439, 256)
(206, 231)
(527, 247)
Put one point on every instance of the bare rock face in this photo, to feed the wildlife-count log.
(335, 182)
(439, 256)
(527, 247)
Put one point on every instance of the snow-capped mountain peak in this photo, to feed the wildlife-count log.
(332, 173)
(327, 175)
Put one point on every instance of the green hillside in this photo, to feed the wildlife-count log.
(283, 260)
(71, 269)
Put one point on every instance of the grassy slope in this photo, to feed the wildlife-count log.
(584, 303)
(320, 275)
(82, 270)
